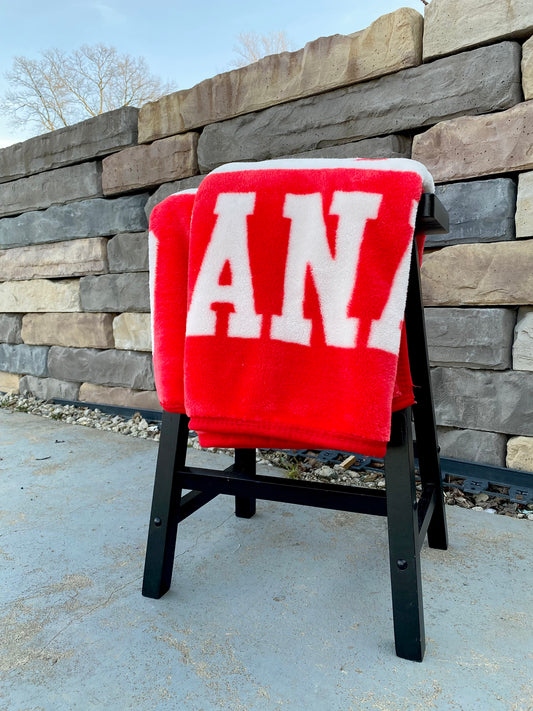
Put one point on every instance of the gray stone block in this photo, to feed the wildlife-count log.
(115, 293)
(111, 367)
(95, 137)
(23, 359)
(57, 187)
(474, 338)
(48, 388)
(473, 445)
(88, 218)
(163, 191)
(381, 147)
(476, 82)
(128, 252)
(10, 328)
(492, 401)
(480, 211)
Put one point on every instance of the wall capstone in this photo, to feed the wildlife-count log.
(391, 43)
(454, 25)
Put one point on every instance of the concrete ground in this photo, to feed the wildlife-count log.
(288, 610)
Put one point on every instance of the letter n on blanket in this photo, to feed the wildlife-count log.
(298, 276)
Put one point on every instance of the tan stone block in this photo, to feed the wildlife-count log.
(523, 340)
(123, 397)
(141, 166)
(9, 383)
(76, 330)
(391, 43)
(40, 295)
(132, 332)
(520, 453)
(470, 146)
(58, 259)
(524, 205)
(527, 69)
(500, 273)
(454, 25)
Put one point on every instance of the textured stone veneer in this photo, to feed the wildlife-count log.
(453, 25)
(475, 82)
(391, 43)
(75, 204)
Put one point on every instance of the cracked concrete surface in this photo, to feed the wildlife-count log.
(288, 610)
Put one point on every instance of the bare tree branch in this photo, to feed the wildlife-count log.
(253, 46)
(60, 89)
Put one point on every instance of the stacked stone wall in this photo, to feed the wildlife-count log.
(453, 90)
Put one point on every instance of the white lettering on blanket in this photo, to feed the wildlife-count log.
(385, 333)
(333, 276)
(232, 210)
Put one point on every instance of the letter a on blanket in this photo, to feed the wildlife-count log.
(232, 210)
(298, 276)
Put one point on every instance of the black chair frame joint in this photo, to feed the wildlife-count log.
(410, 517)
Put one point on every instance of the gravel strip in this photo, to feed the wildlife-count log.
(136, 426)
(308, 470)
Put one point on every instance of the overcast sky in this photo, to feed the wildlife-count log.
(183, 41)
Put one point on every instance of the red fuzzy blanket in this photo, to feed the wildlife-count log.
(297, 284)
(168, 252)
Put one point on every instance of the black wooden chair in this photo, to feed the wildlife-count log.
(410, 517)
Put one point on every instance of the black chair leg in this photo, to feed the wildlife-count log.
(430, 472)
(245, 463)
(404, 553)
(166, 500)
(423, 410)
